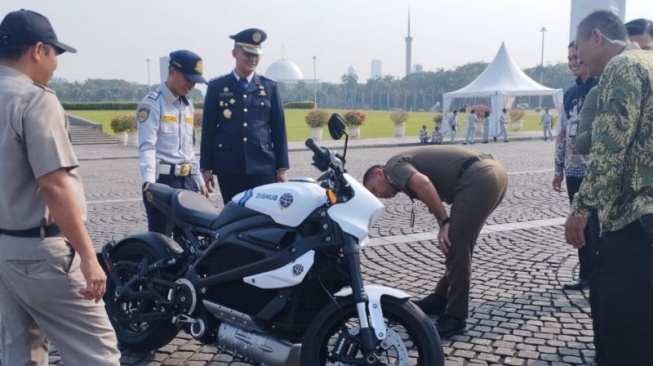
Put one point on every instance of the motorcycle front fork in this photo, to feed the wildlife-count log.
(351, 250)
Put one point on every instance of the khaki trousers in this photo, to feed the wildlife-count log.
(478, 192)
(40, 302)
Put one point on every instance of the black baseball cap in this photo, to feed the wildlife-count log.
(250, 40)
(189, 63)
(26, 28)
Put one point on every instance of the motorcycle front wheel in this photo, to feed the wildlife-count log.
(332, 337)
(141, 336)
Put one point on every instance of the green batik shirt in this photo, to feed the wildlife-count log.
(619, 178)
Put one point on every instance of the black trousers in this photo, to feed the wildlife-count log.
(625, 297)
(586, 254)
(157, 221)
(231, 185)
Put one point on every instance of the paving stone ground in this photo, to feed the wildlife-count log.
(519, 315)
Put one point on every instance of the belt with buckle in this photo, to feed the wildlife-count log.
(473, 160)
(179, 170)
(35, 232)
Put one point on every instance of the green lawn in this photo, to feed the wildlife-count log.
(377, 123)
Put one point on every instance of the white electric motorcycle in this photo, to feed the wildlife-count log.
(274, 279)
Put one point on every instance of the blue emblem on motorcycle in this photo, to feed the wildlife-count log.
(297, 269)
(285, 201)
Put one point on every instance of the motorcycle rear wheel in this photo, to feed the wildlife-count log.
(138, 336)
(411, 337)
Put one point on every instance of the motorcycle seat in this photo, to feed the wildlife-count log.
(193, 208)
(162, 192)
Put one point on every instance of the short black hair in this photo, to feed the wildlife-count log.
(505, 110)
(14, 52)
(637, 27)
(607, 22)
(571, 44)
(368, 173)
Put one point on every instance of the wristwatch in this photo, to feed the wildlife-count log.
(444, 221)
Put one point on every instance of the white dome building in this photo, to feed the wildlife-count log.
(284, 71)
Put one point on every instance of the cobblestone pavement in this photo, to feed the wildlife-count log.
(519, 313)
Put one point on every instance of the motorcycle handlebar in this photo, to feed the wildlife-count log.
(316, 149)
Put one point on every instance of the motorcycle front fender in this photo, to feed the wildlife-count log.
(162, 246)
(374, 293)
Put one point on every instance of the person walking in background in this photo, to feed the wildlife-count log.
(570, 164)
(503, 125)
(471, 127)
(486, 127)
(244, 139)
(474, 184)
(51, 283)
(618, 184)
(546, 121)
(453, 125)
(165, 135)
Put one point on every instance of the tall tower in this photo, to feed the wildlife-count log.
(376, 69)
(582, 8)
(409, 48)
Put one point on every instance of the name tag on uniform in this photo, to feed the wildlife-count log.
(168, 118)
(189, 120)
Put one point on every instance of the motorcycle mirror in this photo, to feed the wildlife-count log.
(336, 126)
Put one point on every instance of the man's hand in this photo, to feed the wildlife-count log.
(557, 184)
(574, 231)
(96, 279)
(204, 191)
(282, 175)
(208, 180)
(443, 239)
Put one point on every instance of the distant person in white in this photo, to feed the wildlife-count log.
(546, 121)
(471, 127)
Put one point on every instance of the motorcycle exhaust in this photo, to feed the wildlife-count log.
(238, 335)
(258, 347)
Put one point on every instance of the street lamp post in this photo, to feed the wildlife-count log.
(314, 82)
(149, 85)
(543, 30)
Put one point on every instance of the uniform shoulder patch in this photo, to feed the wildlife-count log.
(154, 95)
(142, 113)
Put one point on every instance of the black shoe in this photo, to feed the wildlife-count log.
(433, 304)
(485, 142)
(495, 139)
(576, 285)
(448, 326)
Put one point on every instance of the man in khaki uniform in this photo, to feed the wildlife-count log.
(474, 184)
(51, 284)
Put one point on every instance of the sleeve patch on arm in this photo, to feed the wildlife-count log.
(143, 113)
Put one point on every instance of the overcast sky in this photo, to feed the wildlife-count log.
(115, 37)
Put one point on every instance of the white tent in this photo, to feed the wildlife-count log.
(501, 81)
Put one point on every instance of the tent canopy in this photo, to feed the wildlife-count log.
(501, 81)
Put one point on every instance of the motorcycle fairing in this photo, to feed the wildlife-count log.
(286, 203)
(289, 275)
(356, 215)
(374, 293)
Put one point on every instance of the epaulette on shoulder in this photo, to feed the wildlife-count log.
(154, 95)
(218, 78)
(45, 88)
(267, 78)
